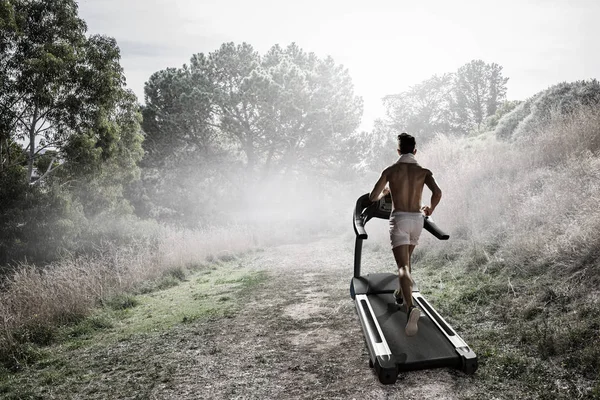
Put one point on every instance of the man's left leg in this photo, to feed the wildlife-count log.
(402, 256)
(398, 293)
(411, 248)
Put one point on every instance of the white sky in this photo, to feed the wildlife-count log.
(386, 45)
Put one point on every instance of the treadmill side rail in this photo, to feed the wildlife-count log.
(469, 359)
(380, 354)
(373, 333)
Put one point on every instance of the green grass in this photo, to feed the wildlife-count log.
(212, 293)
(526, 327)
(202, 295)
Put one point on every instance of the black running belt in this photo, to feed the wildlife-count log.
(429, 348)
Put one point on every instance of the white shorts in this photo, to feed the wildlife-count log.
(405, 228)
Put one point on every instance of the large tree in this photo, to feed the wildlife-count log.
(454, 103)
(57, 82)
(479, 89)
(66, 113)
(424, 109)
(232, 118)
(282, 110)
(182, 152)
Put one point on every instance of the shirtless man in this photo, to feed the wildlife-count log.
(406, 179)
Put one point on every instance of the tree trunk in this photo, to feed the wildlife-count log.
(267, 166)
(32, 144)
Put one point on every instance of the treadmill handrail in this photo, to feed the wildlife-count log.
(359, 217)
(366, 209)
(432, 228)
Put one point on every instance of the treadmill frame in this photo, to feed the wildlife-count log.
(380, 355)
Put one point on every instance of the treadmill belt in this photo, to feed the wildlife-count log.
(429, 348)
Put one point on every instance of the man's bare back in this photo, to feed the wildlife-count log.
(406, 181)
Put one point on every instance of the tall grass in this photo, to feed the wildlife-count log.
(33, 300)
(524, 259)
(531, 199)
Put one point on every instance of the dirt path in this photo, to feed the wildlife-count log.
(297, 337)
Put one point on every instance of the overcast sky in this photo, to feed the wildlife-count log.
(386, 45)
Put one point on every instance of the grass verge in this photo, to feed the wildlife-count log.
(212, 292)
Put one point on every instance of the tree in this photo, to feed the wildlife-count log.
(479, 89)
(285, 109)
(240, 118)
(424, 109)
(317, 111)
(452, 103)
(57, 81)
(66, 112)
(8, 31)
(180, 144)
(176, 117)
(102, 161)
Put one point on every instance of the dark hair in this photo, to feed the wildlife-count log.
(406, 143)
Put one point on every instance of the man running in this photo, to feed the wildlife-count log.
(406, 179)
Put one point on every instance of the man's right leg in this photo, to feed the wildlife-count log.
(402, 256)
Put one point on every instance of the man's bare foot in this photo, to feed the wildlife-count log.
(413, 318)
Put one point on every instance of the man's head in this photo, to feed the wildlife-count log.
(406, 144)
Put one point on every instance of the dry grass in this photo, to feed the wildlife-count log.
(533, 199)
(34, 300)
(524, 217)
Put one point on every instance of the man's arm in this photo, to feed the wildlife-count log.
(379, 190)
(436, 193)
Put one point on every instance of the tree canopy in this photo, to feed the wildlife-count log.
(245, 117)
(57, 83)
(453, 103)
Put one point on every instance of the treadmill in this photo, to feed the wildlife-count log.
(436, 345)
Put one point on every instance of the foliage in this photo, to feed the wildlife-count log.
(68, 129)
(492, 121)
(59, 84)
(35, 223)
(523, 217)
(424, 110)
(378, 147)
(478, 91)
(453, 103)
(532, 115)
(232, 119)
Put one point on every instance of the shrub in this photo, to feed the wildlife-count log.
(532, 116)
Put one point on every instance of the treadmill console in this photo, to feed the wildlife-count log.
(385, 204)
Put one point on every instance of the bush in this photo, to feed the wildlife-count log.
(536, 205)
(509, 122)
(532, 116)
(36, 223)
